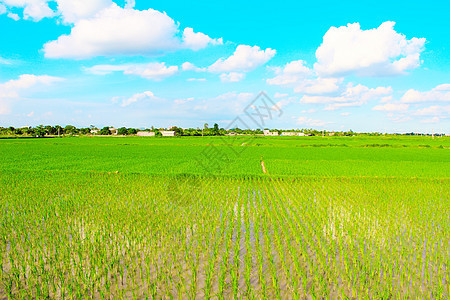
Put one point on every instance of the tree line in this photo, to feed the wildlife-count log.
(57, 130)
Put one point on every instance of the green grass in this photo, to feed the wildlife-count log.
(310, 156)
(334, 218)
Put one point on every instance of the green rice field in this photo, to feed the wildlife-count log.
(197, 218)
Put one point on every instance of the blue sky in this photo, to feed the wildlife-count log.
(366, 66)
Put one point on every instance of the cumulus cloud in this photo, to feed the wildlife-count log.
(291, 74)
(116, 31)
(196, 79)
(311, 122)
(376, 52)
(102, 28)
(138, 97)
(244, 59)
(197, 40)
(232, 77)
(303, 80)
(227, 103)
(13, 89)
(431, 120)
(350, 96)
(152, 71)
(34, 10)
(434, 110)
(391, 107)
(13, 16)
(73, 11)
(187, 66)
(318, 86)
(441, 93)
(130, 3)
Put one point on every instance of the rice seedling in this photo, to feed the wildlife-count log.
(92, 234)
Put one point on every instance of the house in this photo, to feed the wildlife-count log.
(289, 133)
(113, 130)
(331, 134)
(168, 133)
(300, 134)
(145, 133)
(231, 133)
(94, 131)
(269, 133)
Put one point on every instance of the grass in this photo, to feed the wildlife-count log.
(333, 218)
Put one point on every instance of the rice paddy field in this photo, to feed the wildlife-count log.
(197, 218)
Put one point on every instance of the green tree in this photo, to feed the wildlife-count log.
(104, 131)
(122, 131)
(132, 131)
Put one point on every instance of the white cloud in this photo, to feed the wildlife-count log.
(291, 74)
(187, 66)
(232, 77)
(2, 9)
(392, 107)
(431, 120)
(196, 79)
(375, 52)
(13, 16)
(441, 93)
(244, 59)
(13, 89)
(280, 95)
(5, 61)
(197, 40)
(434, 110)
(35, 10)
(102, 28)
(30, 114)
(350, 96)
(345, 114)
(183, 101)
(73, 11)
(296, 75)
(228, 103)
(319, 86)
(282, 103)
(152, 71)
(116, 31)
(138, 97)
(311, 122)
(130, 3)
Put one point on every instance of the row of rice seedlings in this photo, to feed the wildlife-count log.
(254, 238)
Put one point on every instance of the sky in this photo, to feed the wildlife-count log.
(366, 66)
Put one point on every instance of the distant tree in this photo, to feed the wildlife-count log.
(178, 130)
(206, 126)
(215, 130)
(69, 129)
(132, 131)
(39, 131)
(104, 131)
(122, 131)
(85, 130)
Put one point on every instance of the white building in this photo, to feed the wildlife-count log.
(289, 133)
(300, 134)
(168, 133)
(269, 133)
(145, 133)
(113, 130)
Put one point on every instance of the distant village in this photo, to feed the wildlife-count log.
(69, 130)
